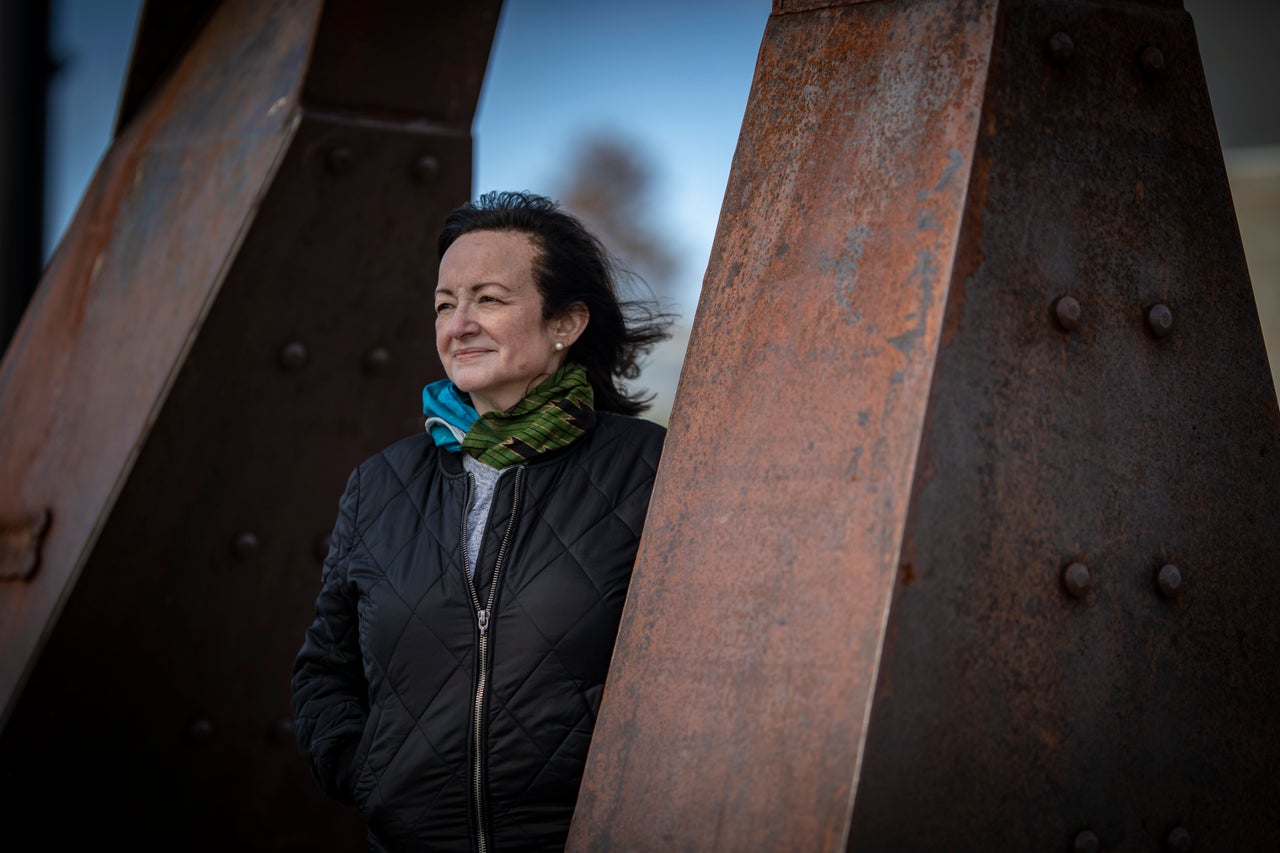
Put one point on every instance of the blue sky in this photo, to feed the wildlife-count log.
(673, 77)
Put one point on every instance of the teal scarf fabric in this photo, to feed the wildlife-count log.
(449, 414)
(553, 415)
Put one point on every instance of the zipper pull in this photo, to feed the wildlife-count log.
(482, 616)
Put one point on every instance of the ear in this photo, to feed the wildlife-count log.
(570, 325)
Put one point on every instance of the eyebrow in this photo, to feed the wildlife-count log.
(475, 287)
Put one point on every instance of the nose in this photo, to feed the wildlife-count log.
(460, 324)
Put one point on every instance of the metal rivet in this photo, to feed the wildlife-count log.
(1067, 311)
(1179, 840)
(377, 359)
(1060, 48)
(1076, 579)
(321, 548)
(338, 160)
(293, 356)
(1151, 61)
(425, 168)
(280, 731)
(200, 731)
(1160, 320)
(1169, 580)
(1087, 842)
(244, 546)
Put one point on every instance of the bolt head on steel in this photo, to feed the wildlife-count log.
(1060, 48)
(1160, 320)
(1169, 580)
(377, 360)
(1087, 842)
(1151, 61)
(425, 169)
(293, 355)
(280, 731)
(1077, 579)
(1179, 840)
(244, 546)
(200, 730)
(321, 548)
(1067, 311)
(338, 160)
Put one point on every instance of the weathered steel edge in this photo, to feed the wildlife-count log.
(31, 622)
(788, 7)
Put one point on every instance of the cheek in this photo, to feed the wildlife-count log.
(537, 348)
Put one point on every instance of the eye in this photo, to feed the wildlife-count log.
(441, 307)
(492, 299)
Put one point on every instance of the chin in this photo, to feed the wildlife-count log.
(467, 380)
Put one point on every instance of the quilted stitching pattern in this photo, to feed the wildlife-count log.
(384, 682)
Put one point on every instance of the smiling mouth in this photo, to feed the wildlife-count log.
(469, 353)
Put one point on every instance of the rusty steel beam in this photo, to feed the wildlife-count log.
(965, 533)
(125, 294)
(230, 325)
(735, 711)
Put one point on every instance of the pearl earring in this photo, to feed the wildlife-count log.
(559, 345)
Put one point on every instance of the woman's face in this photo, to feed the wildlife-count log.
(490, 334)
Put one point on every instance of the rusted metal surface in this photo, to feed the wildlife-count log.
(164, 676)
(398, 46)
(735, 711)
(20, 540)
(126, 291)
(1144, 443)
(1043, 530)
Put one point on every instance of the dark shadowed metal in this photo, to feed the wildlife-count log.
(25, 72)
(965, 536)
(165, 32)
(1143, 443)
(240, 313)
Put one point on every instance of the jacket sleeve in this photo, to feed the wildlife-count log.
(330, 694)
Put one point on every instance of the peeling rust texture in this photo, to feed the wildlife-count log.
(147, 662)
(1008, 715)
(734, 714)
(20, 545)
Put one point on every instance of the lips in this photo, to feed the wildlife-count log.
(469, 353)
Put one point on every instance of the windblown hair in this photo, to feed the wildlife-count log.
(572, 265)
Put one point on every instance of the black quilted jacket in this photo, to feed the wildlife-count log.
(448, 736)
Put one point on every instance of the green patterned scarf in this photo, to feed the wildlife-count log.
(552, 416)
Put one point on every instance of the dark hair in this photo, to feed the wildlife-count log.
(572, 265)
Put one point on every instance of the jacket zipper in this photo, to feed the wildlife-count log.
(482, 652)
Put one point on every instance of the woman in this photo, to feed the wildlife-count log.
(471, 596)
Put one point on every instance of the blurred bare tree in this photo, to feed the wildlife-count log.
(609, 185)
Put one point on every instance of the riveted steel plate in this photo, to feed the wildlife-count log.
(1010, 715)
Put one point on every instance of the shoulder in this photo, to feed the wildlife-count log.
(612, 428)
(622, 441)
(400, 463)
